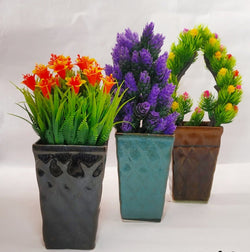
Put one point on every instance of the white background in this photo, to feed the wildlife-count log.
(31, 30)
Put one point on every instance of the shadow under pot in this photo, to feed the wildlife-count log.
(143, 166)
(194, 160)
(70, 185)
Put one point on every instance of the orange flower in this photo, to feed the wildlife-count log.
(45, 85)
(93, 74)
(75, 82)
(60, 64)
(29, 81)
(84, 62)
(108, 83)
(42, 71)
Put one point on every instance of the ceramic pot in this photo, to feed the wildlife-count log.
(194, 160)
(70, 185)
(143, 166)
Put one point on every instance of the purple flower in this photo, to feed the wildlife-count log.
(165, 95)
(166, 75)
(170, 125)
(167, 125)
(156, 43)
(160, 65)
(120, 54)
(144, 78)
(153, 118)
(117, 73)
(146, 57)
(126, 125)
(142, 109)
(148, 32)
(152, 98)
(135, 57)
(130, 82)
(108, 69)
(128, 108)
(127, 39)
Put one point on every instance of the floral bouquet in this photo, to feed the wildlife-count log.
(137, 63)
(67, 104)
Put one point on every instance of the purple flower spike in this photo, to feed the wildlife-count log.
(170, 123)
(135, 57)
(127, 39)
(148, 32)
(153, 118)
(146, 57)
(128, 108)
(108, 69)
(157, 42)
(120, 54)
(142, 109)
(152, 98)
(160, 65)
(127, 127)
(165, 95)
(166, 75)
(144, 77)
(130, 82)
(117, 73)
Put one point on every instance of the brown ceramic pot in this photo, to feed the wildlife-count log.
(194, 160)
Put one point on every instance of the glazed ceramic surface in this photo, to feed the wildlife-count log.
(194, 161)
(143, 166)
(70, 185)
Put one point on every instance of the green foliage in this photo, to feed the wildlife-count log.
(70, 118)
(183, 105)
(196, 117)
(218, 62)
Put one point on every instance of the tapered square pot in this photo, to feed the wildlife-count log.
(194, 160)
(70, 185)
(143, 166)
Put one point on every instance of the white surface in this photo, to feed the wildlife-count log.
(31, 30)
(223, 224)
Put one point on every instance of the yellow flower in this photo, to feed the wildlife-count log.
(212, 41)
(175, 105)
(171, 55)
(222, 71)
(217, 55)
(194, 32)
(230, 89)
(229, 106)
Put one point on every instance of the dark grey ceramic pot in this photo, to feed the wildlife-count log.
(70, 185)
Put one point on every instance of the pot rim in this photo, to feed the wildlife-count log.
(204, 126)
(142, 134)
(68, 147)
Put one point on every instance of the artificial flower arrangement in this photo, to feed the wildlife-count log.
(221, 107)
(145, 138)
(72, 110)
(137, 63)
(67, 104)
(197, 142)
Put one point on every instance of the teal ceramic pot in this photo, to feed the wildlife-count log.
(143, 166)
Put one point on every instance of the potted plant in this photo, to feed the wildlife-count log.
(197, 143)
(144, 139)
(72, 111)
